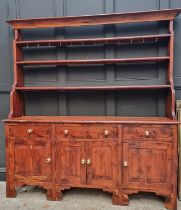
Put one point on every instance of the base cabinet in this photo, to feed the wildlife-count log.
(121, 159)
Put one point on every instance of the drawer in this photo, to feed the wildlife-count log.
(86, 132)
(161, 133)
(30, 130)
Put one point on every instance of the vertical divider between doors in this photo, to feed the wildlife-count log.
(54, 174)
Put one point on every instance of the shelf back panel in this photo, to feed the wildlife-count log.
(140, 103)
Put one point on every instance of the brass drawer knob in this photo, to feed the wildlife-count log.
(147, 133)
(66, 132)
(106, 132)
(48, 160)
(125, 164)
(88, 161)
(83, 161)
(29, 131)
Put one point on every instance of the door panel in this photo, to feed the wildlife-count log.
(68, 163)
(22, 159)
(41, 155)
(30, 160)
(102, 170)
(147, 165)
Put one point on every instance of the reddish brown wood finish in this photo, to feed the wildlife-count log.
(30, 162)
(30, 130)
(148, 165)
(150, 133)
(121, 155)
(102, 170)
(130, 87)
(68, 163)
(103, 19)
(93, 120)
(112, 40)
(93, 61)
(86, 132)
(16, 99)
(86, 157)
(16, 104)
(170, 108)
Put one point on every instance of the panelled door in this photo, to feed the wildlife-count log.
(102, 163)
(32, 159)
(147, 165)
(70, 163)
(86, 163)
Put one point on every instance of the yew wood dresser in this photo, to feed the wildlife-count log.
(122, 152)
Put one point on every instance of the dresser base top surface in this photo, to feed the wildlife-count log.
(92, 119)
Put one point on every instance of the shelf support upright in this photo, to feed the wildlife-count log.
(16, 97)
(170, 105)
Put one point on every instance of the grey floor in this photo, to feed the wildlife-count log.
(78, 199)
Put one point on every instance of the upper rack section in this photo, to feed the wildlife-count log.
(95, 41)
(102, 19)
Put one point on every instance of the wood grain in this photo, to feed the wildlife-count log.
(93, 61)
(112, 40)
(92, 119)
(147, 133)
(120, 155)
(87, 20)
(85, 88)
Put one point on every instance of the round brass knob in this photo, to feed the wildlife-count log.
(29, 131)
(125, 164)
(48, 160)
(66, 132)
(88, 161)
(83, 161)
(106, 132)
(147, 133)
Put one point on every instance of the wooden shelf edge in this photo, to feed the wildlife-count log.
(112, 40)
(137, 87)
(93, 119)
(93, 61)
(87, 20)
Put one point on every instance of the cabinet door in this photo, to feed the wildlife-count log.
(31, 160)
(70, 163)
(102, 163)
(147, 165)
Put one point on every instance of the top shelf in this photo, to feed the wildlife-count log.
(101, 19)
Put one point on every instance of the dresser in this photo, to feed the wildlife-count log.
(116, 153)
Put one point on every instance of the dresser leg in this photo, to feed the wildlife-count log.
(54, 195)
(171, 202)
(10, 191)
(120, 199)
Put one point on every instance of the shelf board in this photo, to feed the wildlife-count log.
(100, 19)
(93, 119)
(93, 61)
(112, 40)
(85, 88)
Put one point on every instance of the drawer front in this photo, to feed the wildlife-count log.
(86, 132)
(29, 130)
(162, 133)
